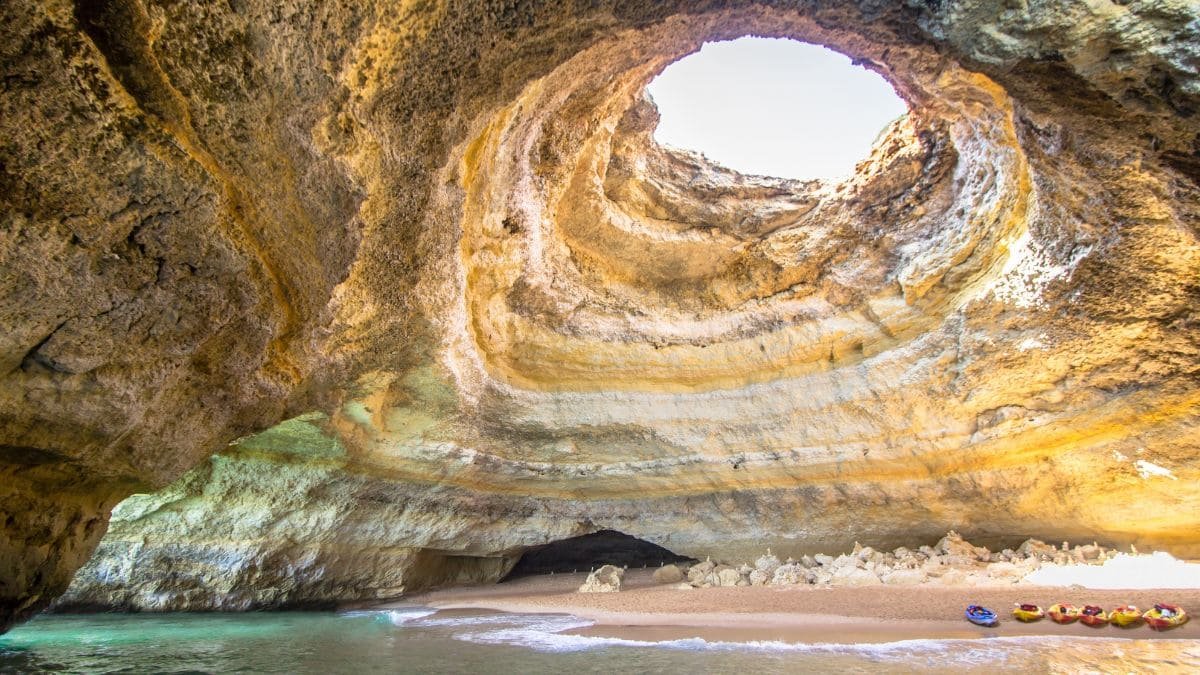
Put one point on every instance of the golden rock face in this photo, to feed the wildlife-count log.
(451, 233)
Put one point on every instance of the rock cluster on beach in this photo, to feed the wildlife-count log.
(953, 561)
(607, 579)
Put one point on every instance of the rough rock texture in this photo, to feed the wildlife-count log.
(953, 562)
(668, 574)
(607, 579)
(445, 226)
(284, 520)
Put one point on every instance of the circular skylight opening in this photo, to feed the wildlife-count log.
(773, 107)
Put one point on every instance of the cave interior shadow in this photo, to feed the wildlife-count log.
(589, 551)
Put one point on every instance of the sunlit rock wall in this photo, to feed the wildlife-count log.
(281, 521)
(446, 229)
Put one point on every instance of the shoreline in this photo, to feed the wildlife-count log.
(644, 610)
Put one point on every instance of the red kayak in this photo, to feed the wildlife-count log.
(1165, 616)
(1093, 616)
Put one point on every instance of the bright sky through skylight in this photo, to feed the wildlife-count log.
(773, 107)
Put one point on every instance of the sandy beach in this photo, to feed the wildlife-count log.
(645, 610)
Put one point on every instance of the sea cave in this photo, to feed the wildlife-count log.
(316, 305)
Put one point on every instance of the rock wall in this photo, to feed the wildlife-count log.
(284, 521)
(446, 227)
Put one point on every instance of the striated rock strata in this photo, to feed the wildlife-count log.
(445, 230)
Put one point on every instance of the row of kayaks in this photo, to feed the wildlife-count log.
(1162, 617)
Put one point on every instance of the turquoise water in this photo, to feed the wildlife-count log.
(418, 640)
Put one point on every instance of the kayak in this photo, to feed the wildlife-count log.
(1125, 616)
(981, 616)
(1093, 616)
(1028, 613)
(1165, 616)
(1063, 613)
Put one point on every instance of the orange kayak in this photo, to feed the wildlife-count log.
(1063, 613)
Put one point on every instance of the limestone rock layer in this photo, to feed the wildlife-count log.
(442, 234)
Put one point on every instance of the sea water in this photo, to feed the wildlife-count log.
(420, 640)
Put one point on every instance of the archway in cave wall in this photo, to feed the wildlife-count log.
(606, 547)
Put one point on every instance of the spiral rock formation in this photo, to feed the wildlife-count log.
(446, 229)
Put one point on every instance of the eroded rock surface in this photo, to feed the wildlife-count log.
(607, 579)
(953, 561)
(282, 520)
(446, 228)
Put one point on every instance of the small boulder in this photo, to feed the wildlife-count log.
(845, 561)
(700, 571)
(904, 577)
(853, 576)
(607, 579)
(727, 576)
(767, 563)
(956, 547)
(823, 560)
(953, 577)
(1040, 550)
(668, 574)
(977, 579)
(759, 577)
(790, 575)
(1005, 570)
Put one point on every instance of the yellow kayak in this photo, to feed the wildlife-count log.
(1027, 613)
(1125, 616)
(1165, 616)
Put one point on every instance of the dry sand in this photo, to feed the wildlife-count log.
(645, 610)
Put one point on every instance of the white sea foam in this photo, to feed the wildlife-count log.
(403, 616)
(546, 634)
(398, 616)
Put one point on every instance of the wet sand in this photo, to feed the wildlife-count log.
(644, 610)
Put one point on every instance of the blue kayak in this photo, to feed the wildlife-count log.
(981, 616)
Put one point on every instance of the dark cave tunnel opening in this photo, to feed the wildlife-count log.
(582, 553)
